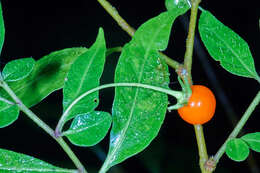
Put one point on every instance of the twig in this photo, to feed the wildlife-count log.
(188, 66)
(44, 126)
(130, 30)
(177, 94)
(238, 127)
(190, 37)
(220, 93)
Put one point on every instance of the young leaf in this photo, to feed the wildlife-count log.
(237, 150)
(177, 4)
(253, 140)
(84, 75)
(138, 113)
(8, 114)
(89, 129)
(47, 76)
(12, 162)
(226, 46)
(2, 29)
(18, 69)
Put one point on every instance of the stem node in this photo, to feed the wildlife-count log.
(210, 165)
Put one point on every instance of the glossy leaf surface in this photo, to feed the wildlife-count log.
(253, 140)
(237, 150)
(18, 69)
(2, 28)
(139, 113)
(12, 162)
(8, 114)
(84, 75)
(226, 46)
(179, 4)
(47, 76)
(89, 129)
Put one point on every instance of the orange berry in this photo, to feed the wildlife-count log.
(201, 106)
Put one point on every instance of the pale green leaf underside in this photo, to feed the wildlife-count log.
(47, 76)
(253, 140)
(18, 69)
(237, 150)
(12, 162)
(84, 75)
(89, 129)
(138, 113)
(226, 46)
(8, 114)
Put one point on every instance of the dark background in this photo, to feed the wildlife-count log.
(36, 28)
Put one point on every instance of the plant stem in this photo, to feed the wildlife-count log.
(177, 94)
(173, 64)
(114, 13)
(44, 126)
(190, 37)
(201, 146)
(188, 66)
(238, 127)
(113, 50)
(130, 30)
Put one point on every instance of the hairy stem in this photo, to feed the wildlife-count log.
(44, 126)
(238, 127)
(177, 94)
(130, 30)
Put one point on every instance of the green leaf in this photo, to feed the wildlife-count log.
(2, 29)
(177, 4)
(139, 113)
(84, 75)
(237, 150)
(8, 114)
(47, 76)
(12, 162)
(89, 129)
(143, 36)
(226, 46)
(253, 140)
(18, 69)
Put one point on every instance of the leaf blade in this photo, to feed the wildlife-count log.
(226, 46)
(253, 140)
(8, 114)
(47, 76)
(175, 5)
(237, 150)
(18, 69)
(12, 162)
(84, 75)
(89, 129)
(140, 63)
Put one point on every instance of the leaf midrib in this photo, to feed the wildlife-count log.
(234, 53)
(119, 143)
(35, 169)
(71, 132)
(87, 70)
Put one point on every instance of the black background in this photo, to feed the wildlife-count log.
(36, 28)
